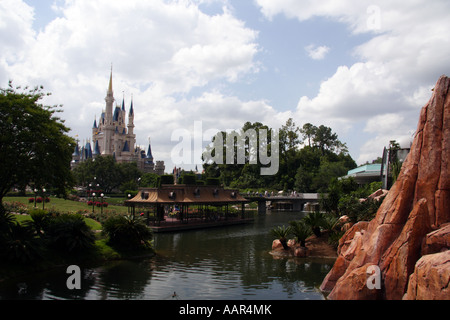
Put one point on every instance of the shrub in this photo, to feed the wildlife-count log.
(212, 182)
(188, 179)
(127, 231)
(21, 245)
(301, 231)
(166, 179)
(315, 220)
(15, 207)
(70, 233)
(282, 233)
(39, 220)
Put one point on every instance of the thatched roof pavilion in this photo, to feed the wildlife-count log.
(198, 203)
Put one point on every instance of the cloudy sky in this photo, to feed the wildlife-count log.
(363, 68)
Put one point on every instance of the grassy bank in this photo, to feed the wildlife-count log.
(69, 206)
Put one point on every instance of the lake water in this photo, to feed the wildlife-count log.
(231, 263)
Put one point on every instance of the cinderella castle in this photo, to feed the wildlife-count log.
(112, 136)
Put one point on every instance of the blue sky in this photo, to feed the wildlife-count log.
(364, 68)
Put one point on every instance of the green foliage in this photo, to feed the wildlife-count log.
(344, 198)
(358, 210)
(127, 232)
(300, 230)
(212, 182)
(149, 180)
(21, 244)
(69, 233)
(306, 169)
(39, 220)
(108, 174)
(282, 233)
(34, 145)
(166, 179)
(315, 220)
(15, 207)
(188, 178)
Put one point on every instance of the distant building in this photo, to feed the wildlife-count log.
(366, 173)
(112, 136)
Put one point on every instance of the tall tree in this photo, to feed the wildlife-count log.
(308, 131)
(108, 174)
(34, 146)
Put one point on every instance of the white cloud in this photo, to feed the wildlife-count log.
(408, 50)
(164, 51)
(317, 52)
(160, 50)
(16, 33)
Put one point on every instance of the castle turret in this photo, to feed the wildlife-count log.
(108, 128)
(131, 136)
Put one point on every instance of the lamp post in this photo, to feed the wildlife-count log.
(93, 202)
(43, 199)
(101, 207)
(35, 195)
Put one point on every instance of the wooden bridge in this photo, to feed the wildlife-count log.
(293, 202)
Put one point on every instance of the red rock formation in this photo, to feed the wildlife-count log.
(431, 277)
(406, 224)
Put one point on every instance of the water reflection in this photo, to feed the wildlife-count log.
(229, 263)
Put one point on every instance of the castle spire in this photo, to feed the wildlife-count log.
(110, 88)
(131, 108)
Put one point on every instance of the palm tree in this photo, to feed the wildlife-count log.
(301, 231)
(128, 231)
(282, 233)
(315, 220)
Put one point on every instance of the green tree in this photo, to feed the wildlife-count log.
(21, 245)
(149, 180)
(301, 231)
(107, 173)
(127, 232)
(282, 233)
(69, 233)
(308, 132)
(34, 146)
(316, 221)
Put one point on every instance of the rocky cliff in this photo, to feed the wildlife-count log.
(409, 239)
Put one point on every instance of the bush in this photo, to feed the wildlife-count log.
(282, 233)
(15, 207)
(21, 245)
(166, 179)
(127, 231)
(212, 182)
(315, 220)
(301, 231)
(358, 210)
(188, 179)
(39, 220)
(69, 232)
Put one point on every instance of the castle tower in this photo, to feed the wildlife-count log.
(113, 135)
(131, 136)
(109, 127)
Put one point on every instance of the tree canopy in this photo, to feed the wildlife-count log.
(309, 158)
(108, 174)
(35, 149)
